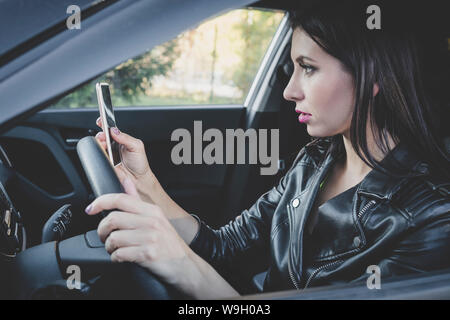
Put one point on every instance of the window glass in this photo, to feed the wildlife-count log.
(214, 63)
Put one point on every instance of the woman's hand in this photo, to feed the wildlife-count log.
(139, 232)
(134, 163)
(134, 166)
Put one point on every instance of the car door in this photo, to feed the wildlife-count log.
(199, 79)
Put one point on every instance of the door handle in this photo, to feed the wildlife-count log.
(72, 141)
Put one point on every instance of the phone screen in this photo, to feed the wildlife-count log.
(108, 121)
(109, 112)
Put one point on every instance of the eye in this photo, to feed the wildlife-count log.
(307, 68)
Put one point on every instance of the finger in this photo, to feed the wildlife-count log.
(100, 136)
(131, 144)
(120, 202)
(98, 122)
(103, 145)
(130, 254)
(120, 172)
(127, 238)
(118, 220)
(130, 188)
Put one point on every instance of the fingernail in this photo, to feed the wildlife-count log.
(98, 120)
(88, 209)
(115, 130)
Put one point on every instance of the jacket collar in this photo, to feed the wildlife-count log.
(376, 183)
(316, 151)
(401, 161)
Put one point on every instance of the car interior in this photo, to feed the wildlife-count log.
(50, 165)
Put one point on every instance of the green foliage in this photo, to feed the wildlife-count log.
(127, 81)
(256, 30)
(131, 82)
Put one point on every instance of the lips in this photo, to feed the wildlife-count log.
(304, 116)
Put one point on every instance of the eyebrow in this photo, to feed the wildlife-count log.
(301, 57)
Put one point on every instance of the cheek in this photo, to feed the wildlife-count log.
(332, 99)
(332, 92)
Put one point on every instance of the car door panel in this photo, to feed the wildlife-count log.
(198, 188)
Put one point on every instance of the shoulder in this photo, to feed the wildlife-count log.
(424, 197)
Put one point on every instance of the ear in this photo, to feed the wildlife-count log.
(376, 88)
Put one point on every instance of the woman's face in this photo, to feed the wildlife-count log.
(320, 87)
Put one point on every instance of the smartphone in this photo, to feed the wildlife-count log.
(108, 120)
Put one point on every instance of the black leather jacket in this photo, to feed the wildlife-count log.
(401, 225)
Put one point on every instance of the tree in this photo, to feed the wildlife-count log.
(256, 29)
(129, 79)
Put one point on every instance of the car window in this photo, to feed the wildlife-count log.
(214, 63)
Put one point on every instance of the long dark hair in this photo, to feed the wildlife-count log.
(390, 57)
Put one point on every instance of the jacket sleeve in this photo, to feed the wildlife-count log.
(241, 248)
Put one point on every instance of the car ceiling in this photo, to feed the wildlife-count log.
(71, 58)
(36, 16)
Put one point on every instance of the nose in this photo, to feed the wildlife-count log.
(293, 90)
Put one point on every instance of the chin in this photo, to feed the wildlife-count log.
(323, 131)
(317, 133)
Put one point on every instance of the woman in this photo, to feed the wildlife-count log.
(369, 192)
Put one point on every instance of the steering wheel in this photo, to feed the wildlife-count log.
(86, 254)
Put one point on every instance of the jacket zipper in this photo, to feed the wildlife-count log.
(291, 273)
(365, 208)
(315, 272)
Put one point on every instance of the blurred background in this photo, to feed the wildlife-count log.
(214, 63)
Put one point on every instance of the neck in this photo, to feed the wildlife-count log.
(353, 164)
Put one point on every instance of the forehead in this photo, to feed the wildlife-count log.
(303, 45)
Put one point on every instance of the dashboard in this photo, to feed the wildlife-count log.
(12, 232)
